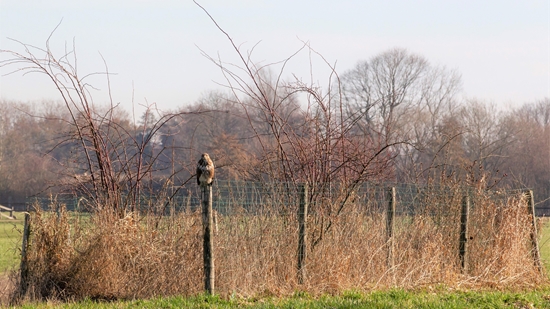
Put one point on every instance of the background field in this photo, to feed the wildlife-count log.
(544, 243)
(10, 242)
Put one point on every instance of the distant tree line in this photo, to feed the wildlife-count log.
(394, 118)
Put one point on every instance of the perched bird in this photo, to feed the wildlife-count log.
(205, 171)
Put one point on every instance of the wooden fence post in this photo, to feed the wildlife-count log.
(208, 239)
(534, 233)
(463, 244)
(24, 271)
(390, 225)
(302, 222)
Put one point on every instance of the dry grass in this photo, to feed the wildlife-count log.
(113, 258)
(255, 254)
(501, 251)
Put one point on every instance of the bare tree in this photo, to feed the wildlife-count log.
(27, 133)
(398, 96)
(528, 158)
(487, 137)
(223, 132)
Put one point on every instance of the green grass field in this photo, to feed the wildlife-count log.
(544, 244)
(438, 297)
(380, 299)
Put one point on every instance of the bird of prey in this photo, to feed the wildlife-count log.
(205, 171)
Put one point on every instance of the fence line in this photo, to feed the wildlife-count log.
(410, 204)
(393, 233)
(255, 197)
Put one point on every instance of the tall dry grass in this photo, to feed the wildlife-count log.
(500, 249)
(256, 253)
(111, 258)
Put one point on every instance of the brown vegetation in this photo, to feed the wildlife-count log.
(107, 257)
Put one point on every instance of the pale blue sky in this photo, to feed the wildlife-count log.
(501, 48)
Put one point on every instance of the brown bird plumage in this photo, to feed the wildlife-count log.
(205, 171)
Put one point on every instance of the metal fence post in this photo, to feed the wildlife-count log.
(302, 222)
(208, 239)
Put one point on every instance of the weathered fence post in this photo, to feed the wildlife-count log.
(463, 244)
(208, 239)
(302, 222)
(24, 265)
(534, 233)
(390, 225)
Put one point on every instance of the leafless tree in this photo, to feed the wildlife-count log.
(487, 137)
(527, 161)
(399, 96)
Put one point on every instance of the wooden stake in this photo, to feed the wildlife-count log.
(24, 265)
(534, 233)
(463, 244)
(208, 239)
(390, 226)
(302, 222)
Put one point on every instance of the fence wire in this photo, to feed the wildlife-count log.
(256, 197)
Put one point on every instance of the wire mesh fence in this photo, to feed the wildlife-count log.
(256, 197)
(362, 236)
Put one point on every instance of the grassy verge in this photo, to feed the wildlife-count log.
(381, 299)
